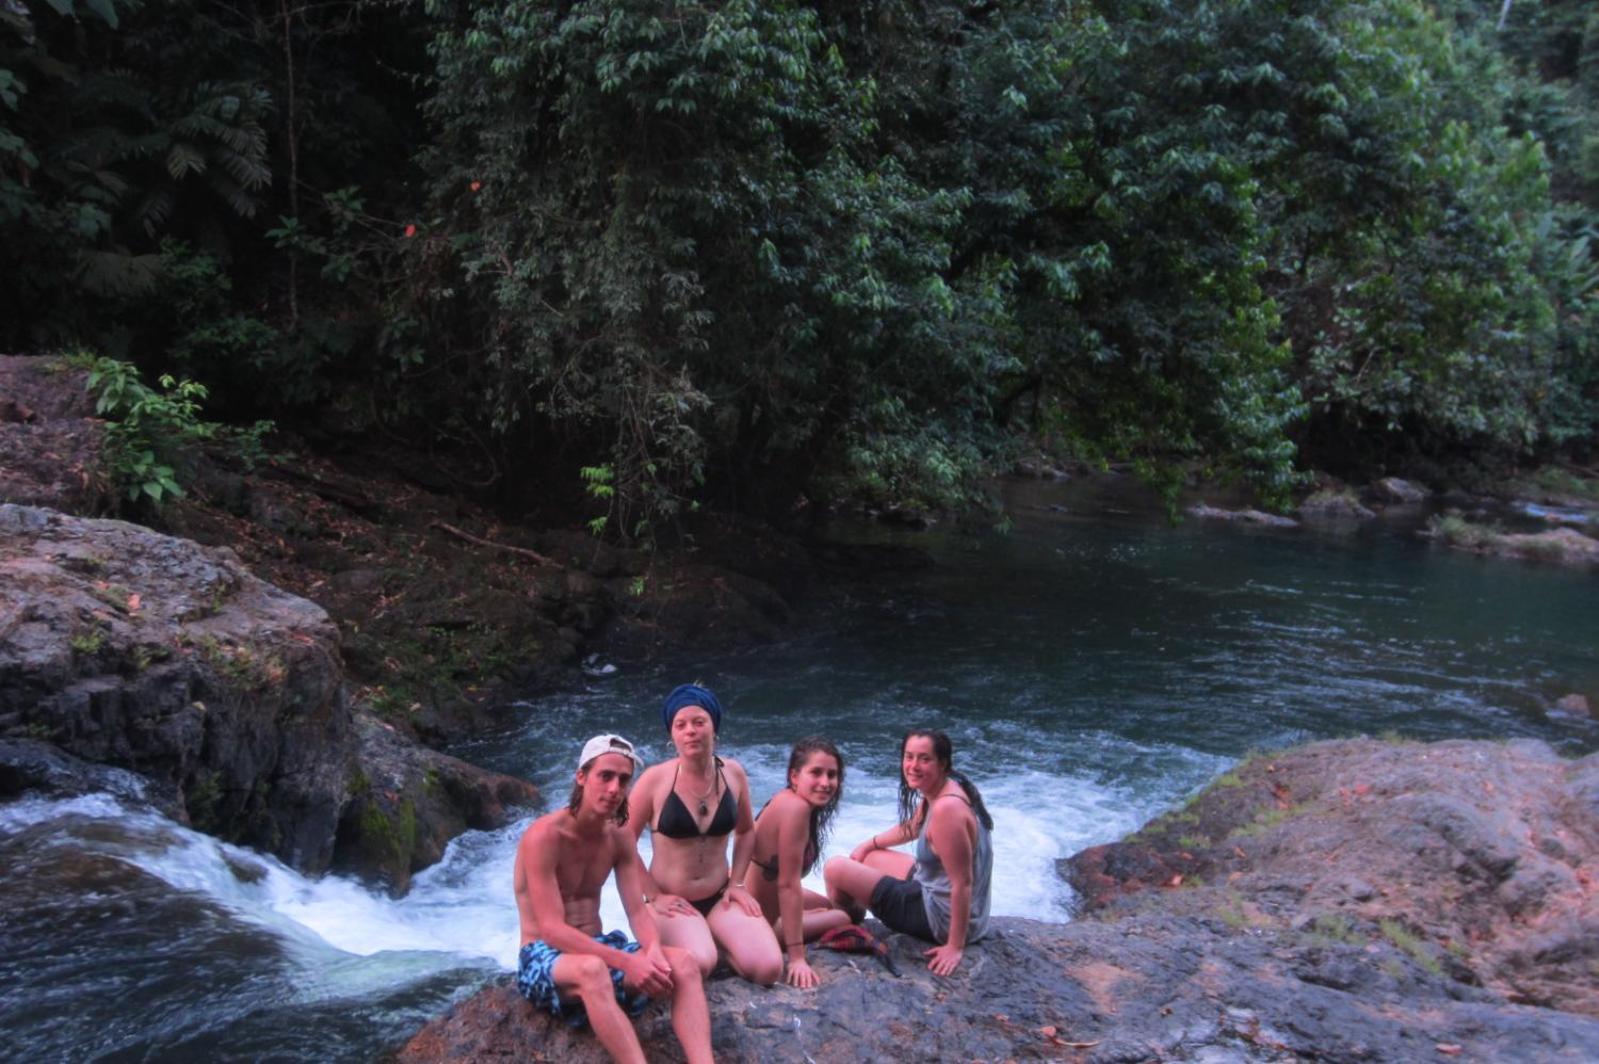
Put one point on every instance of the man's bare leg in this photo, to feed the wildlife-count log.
(691, 1016)
(589, 979)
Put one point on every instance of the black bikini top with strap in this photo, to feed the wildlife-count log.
(770, 869)
(676, 822)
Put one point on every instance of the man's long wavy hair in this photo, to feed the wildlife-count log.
(944, 751)
(574, 802)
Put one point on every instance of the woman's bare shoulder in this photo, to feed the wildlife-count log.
(652, 779)
(656, 771)
(951, 806)
(785, 806)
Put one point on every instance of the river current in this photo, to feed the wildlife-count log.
(1093, 665)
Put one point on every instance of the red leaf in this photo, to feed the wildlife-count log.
(410, 230)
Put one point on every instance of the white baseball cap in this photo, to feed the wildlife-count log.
(608, 744)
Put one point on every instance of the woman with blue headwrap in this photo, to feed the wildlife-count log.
(691, 804)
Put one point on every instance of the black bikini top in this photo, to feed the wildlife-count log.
(676, 822)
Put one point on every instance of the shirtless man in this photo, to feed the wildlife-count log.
(566, 964)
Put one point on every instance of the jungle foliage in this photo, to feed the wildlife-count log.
(658, 254)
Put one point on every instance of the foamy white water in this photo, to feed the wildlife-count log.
(347, 938)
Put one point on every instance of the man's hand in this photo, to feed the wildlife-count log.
(943, 959)
(648, 970)
(800, 975)
(672, 905)
(743, 899)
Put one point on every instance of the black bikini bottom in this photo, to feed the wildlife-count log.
(705, 905)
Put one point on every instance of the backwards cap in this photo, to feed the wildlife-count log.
(608, 744)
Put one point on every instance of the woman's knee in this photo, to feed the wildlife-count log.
(764, 970)
(701, 947)
(757, 960)
(687, 964)
(850, 879)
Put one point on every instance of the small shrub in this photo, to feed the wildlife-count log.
(202, 798)
(1456, 531)
(1409, 944)
(1266, 820)
(1331, 928)
(88, 643)
(150, 433)
(1553, 480)
(1232, 911)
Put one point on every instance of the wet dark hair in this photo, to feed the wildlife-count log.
(944, 751)
(574, 801)
(821, 819)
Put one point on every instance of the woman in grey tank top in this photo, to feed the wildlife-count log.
(941, 893)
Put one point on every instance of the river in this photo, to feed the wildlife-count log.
(1093, 666)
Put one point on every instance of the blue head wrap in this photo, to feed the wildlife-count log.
(690, 694)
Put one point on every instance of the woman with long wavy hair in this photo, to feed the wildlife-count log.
(789, 835)
(940, 894)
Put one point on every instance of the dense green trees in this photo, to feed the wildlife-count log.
(147, 154)
(743, 251)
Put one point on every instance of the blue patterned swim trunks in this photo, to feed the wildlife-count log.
(535, 979)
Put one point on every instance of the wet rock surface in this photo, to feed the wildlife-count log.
(1558, 546)
(1334, 504)
(1206, 512)
(408, 801)
(1563, 546)
(122, 648)
(1347, 901)
(126, 647)
(1393, 491)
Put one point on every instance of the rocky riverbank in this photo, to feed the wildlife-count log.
(1526, 520)
(444, 608)
(1356, 900)
(277, 658)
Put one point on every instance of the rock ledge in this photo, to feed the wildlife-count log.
(1346, 901)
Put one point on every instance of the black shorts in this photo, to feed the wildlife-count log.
(898, 903)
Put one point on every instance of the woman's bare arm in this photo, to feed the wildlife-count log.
(950, 830)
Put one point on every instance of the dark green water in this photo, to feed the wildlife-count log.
(1091, 668)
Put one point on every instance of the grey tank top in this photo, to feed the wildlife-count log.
(930, 873)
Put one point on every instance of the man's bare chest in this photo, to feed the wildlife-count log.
(581, 870)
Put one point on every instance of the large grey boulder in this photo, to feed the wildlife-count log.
(120, 646)
(1353, 901)
(123, 646)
